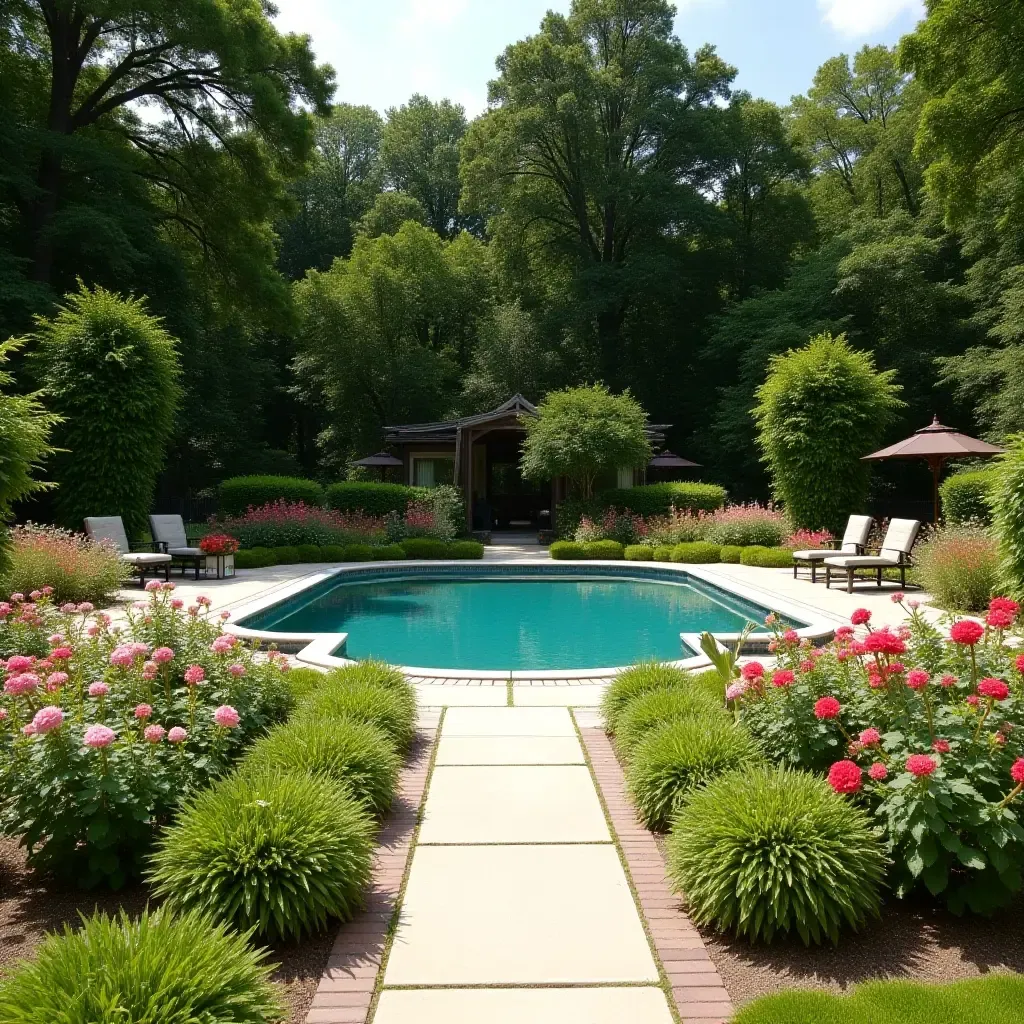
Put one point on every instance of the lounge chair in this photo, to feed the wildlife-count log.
(854, 542)
(895, 554)
(110, 528)
(169, 535)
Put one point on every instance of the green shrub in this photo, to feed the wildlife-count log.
(651, 710)
(301, 682)
(966, 496)
(639, 553)
(744, 525)
(354, 753)
(465, 549)
(821, 408)
(645, 677)
(959, 567)
(255, 558)
(765, 850)
(374, 673)
(333, 552)
(309, 553)
(767, 558)
(731, 553)
(159, 967)
(424, 548)
(282, 854)
(567, 550)
(673, 761)
(696, 553)
(237, 493)
(646, 500)
(663, 553)
(1008, 518)
(389, 553)
(607, 549)
(287, 555)
(372, 498)
(77, 568)
(111, 371)
(995, 999)
(357, 553)
(393, 711)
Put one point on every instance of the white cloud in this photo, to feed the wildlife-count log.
(855, 18)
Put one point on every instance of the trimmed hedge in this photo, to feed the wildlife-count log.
(767, 558)
(389, 553)
(639, 553)
(465, 549)
(255, 558)
(373, 499)
(419, 547)
(646, 500)
(607, 549)
(567, 549)
(663, 553)
(237, 493)
(966, 497)
(424, 548)
(357, 553)
(731, 553)
(287, 555)
(698, 552)
(309, 553)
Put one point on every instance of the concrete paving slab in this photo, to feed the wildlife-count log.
(440, 696)
(523, 1006)
(509, 750)
(581, 696)
(508, 722)
(478, 915)
(513, 804)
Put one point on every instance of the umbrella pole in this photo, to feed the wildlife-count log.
(936, 466)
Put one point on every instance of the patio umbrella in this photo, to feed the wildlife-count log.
(381, 460)
(936, 444)
(669, 460)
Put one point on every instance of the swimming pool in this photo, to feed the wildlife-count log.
(510, 619)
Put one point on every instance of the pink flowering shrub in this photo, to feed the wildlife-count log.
(746, 525)
(288, 523)
(923, 726)
(105, 729)
(808, 540)
(74, 567)
(614, 524)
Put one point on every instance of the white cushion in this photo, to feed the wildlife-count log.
(186, 552)
(861, 562)
(169, 530)
(813, 556)
(858, 529)
(900, 536)
(145, 557)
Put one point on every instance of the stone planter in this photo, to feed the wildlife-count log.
(220, 567)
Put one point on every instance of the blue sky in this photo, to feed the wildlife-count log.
(385, 50)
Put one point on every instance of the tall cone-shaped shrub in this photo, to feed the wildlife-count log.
(1008, 515)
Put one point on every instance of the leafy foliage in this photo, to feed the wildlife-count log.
(281, 854)
(771, 851)
(680, 757)
(966, 497)
(767, 558)
(646, 677)
(111, 371)
(391, 709)
(238, 493)
(198, 968)
(373, 499)
(696, 552)
(649, 711)
(822, 408)
(959, 567)
(1008, 519)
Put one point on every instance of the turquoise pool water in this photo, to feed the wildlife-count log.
(509, 622)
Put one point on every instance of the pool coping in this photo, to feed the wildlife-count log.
(317, 649)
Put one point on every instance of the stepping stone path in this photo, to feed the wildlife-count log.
(517, 905)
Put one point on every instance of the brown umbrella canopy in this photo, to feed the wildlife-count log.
(380, 459)
(669, 460)
(936, 443)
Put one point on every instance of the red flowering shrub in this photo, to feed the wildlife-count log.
(290, 523)
(938, 747)
(218, 544)
(808, 540)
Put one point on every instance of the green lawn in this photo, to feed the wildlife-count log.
(997, 999)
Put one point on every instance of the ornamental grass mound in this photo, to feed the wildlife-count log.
(641, 678)
(281, 854)
(651, 710)
(166, 967)
(767, 851)
(393, 711)
(354, 753)
(673, 761)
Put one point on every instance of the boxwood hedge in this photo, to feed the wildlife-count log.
(237, 493)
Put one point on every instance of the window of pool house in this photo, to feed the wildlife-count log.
(433, 470)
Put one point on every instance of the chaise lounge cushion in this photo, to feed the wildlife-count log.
(858, 528)
(111, 529)
(145, 557)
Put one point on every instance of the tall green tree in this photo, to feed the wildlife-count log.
(595, 155)
(420, 153)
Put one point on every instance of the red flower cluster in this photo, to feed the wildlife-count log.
(994, 689)
(921, 765)
(917, 679)
(966, 632)
(827, 707)
(752, 671)
(845, 777)
(218, 544)
(884, 641)
(1017, 771)
(783, 678)
(860, 617)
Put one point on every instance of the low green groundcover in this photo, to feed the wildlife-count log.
(422, 547)
(996, 999)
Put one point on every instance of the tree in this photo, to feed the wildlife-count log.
(595, 154)
(389, 212)
(420, 151)
(581, 433)
(341, 186)
(1008, 515)
(110, 370)
(821, 408)
(226, 82)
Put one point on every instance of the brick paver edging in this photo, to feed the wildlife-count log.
(699, 994)
(347, 985)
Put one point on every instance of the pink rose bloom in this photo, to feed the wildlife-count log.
(143, 711)
(61, 653)
(139, 649)
(994, 689)
(122, 657)
(86, 607)
(947, 681)
(222, 645)
(734, 692)
(917, 679)
(150, 669)
(844, 632)
(56, 640)
(93, 631)
(878, 771)
(236, 670)
(972, 700)
(896, 668)
(69, 608)
(966, 632)
(826, 707)
(177, 604)
(869, 737)
(752, 670)
(791, 637)
(921, 765)
(162, 654)
(36, 594)
(807, 666)
(194, 674)
(177, 735)
(898, 597)
(98, 689)
(55, 680)
(226, 716)
(913, 604)
(941, 746)
(1017, 771)
(19, 685)
(168, 586)
(154, 733)
(284, 665)
(98, 736)
(140, 606)
(782, 678)
(153, 585)
(225, 616)
(999, 619)
(47, 719)
(17, 598)
(47, 591)
(845, 777)
(860, 617)
(5, 609)
(193, 610)
(28, 730)
(203, 601)
(19, 663)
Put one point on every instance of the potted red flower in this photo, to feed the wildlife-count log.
(220, 551)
